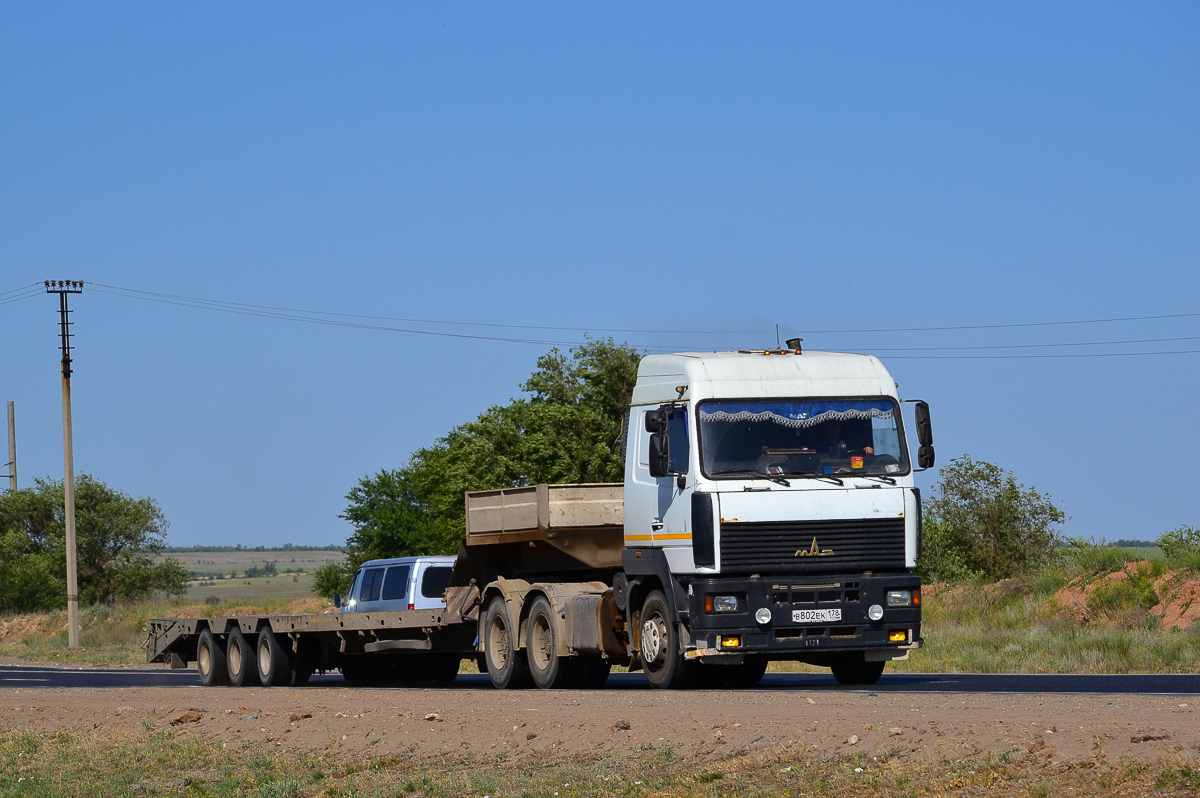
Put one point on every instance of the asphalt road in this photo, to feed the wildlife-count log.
(13, 677)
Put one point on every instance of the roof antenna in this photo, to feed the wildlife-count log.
(777, 345)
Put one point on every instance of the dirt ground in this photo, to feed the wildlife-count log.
(699, 725)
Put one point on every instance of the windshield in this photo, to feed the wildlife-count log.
(798, 437)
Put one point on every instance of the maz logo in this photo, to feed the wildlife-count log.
(814, 551)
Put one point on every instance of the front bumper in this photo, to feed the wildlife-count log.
(792, 600)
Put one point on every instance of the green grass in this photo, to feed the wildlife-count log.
(107, 762)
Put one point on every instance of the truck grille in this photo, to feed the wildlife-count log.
(859, 544)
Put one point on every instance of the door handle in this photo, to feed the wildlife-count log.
(656, 524)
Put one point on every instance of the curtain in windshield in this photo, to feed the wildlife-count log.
(775, 437)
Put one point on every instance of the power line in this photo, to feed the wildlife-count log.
(1032, 346)
(1006, 326)
(32, 292)
(1036, 357)
(22, 288)
(271, 314)
(224, 304)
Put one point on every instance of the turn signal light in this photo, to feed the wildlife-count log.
(898, 636)
(730, 642)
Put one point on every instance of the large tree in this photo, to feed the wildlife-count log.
(119, 540)
(565, 429)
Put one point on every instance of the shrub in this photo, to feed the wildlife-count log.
(981, 521)
(1181, 547)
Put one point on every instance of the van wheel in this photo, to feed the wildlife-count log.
(239, 655)
(853, 669)
(210, 660)
(662, 661)
(506, 668)
(548, 670)
(274, 668)
(444, 668)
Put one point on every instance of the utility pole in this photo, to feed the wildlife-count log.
(63, 288)
(12, 448)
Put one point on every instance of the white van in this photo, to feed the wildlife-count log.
(401, 583)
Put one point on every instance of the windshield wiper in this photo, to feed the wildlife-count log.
(755, 474)
(888, 480)
(815, 475)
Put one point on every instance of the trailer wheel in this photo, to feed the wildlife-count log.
(662, 661)
(273, 666)
(548, 670)
(506, 668)
(240, 657)
(210, 660)
(853, 669)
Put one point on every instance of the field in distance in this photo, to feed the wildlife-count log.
(251, 575)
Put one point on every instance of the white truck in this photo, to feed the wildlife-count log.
(768, 513)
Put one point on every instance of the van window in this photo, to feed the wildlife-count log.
(433, 583)
(372, 582)
(395, 586)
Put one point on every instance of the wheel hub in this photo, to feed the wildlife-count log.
(654, 640)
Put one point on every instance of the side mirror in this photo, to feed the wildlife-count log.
(656, 420)
(924, 428)
(337, 600)
(660, 453)
(925, 457)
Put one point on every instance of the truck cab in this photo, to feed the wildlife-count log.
(770, 503)
(400, 583)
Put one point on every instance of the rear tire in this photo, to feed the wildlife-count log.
(274, 665)
(853, 669)
(505, 666)
(444, 668)
(662, 660)
(548, 670)
(210, 660)
(240, 657)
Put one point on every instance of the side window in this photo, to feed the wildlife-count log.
(372, 582)
(353, 585)
(395, 585)
(433, 583)
(677, 434)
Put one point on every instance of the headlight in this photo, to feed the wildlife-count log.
(762, 615)
(899, 598)
(875, 613)
(724, 604)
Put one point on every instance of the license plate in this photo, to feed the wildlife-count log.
(816, 616)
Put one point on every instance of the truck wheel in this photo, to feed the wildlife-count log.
(748, 674)
(357, 672)
(274, 667)
(853, 669)
(210, 660)
(505, 666)
(593, 672)
(548, 670)
(662, 661)
(239, 656)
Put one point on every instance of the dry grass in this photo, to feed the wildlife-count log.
(168, 762)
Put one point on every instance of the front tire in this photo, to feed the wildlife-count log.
(210, 660)
(662, 660)
(853, 669)
(505, 666)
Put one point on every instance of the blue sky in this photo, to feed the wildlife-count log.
(714, 168)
